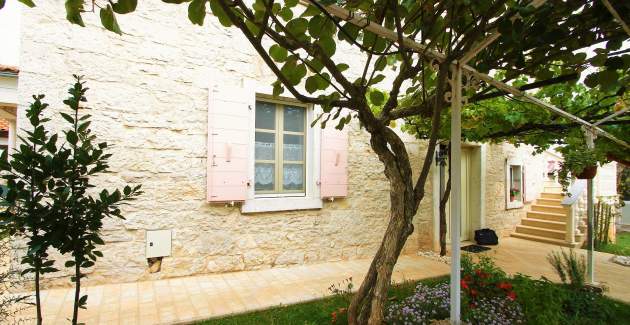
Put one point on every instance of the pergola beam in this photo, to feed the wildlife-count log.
(612, 116)
(392, 36)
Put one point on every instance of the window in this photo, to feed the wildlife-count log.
(514, 183)
(280, 148)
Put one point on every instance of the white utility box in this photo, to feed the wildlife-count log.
(158, 243)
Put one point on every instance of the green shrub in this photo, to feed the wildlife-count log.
(570, 268)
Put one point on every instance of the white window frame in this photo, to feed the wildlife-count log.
(508, 183)
(310, 199)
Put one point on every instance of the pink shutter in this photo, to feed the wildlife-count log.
(229, 112)
(334, 163)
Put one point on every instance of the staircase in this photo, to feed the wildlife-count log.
(546, 221)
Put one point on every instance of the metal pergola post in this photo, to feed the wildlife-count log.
(456, 193)
(590, 215)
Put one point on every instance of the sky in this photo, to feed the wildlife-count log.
(10, 33)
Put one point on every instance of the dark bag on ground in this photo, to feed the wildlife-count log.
(486, 237)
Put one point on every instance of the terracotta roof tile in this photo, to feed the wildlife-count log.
(9, 68)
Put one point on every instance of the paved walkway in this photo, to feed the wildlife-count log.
(201, 297)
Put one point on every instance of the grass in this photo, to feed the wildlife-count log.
(621, 247)
(545, 303)
(307, 313)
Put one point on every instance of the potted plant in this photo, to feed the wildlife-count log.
(514, 193)
(579, 162)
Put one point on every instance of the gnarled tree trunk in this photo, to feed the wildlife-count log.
(443, 202)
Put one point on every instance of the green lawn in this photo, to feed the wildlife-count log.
(621, 247)
(544, 303)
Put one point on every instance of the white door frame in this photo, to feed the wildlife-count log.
(477, 191)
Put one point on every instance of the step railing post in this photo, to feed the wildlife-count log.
(570, 224)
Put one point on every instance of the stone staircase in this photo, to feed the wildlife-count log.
(546, 221)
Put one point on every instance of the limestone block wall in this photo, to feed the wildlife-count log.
(148, 100)
(497, 217)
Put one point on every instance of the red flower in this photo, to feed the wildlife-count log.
(464, 284)
(478, 272)
(467, 278)
(505, 286)
(511, 295)
(473, 292)
(472, 305)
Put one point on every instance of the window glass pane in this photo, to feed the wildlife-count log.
(293, 147)
(292, 177)
(293, 118)
(264, 177)
(265, 116)
(265, 146)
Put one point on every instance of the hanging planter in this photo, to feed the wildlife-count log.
(588, 172)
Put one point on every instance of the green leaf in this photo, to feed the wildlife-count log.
(125, 6)
(328, 45)
(380, 64)
(607, 78)
(277, 89)
(278, 53)
(72, 137)
(69, 264)
(27, 2)
(310, 11)
(2, 2)
(297, 26)
(67, 117)
(599, 60)
(290, 3)
(73, 12)
(286, 14)
(197, 11)
(376, 79)
(218, 12)
(591, 80)
(342, 67)
(377, 98)
(108, 19)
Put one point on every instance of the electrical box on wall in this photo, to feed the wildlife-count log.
(158, 243)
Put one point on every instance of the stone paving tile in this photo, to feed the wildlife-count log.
(193, 298)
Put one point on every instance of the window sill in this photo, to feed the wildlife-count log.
(514, 205)
(280, 204)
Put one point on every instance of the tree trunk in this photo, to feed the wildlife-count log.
(77, 291)
(38, 303)
(443, 202)
(368, 303)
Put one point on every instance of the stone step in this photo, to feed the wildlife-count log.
(549, 202)
(541, 232)
(545, 195)
(549, 209)
(543, 240)
(545, 224)
(546, 216)
(552, 189)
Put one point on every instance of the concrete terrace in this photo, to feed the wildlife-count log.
(188, 299)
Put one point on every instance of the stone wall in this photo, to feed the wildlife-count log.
(148, 98)
(497, 217)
